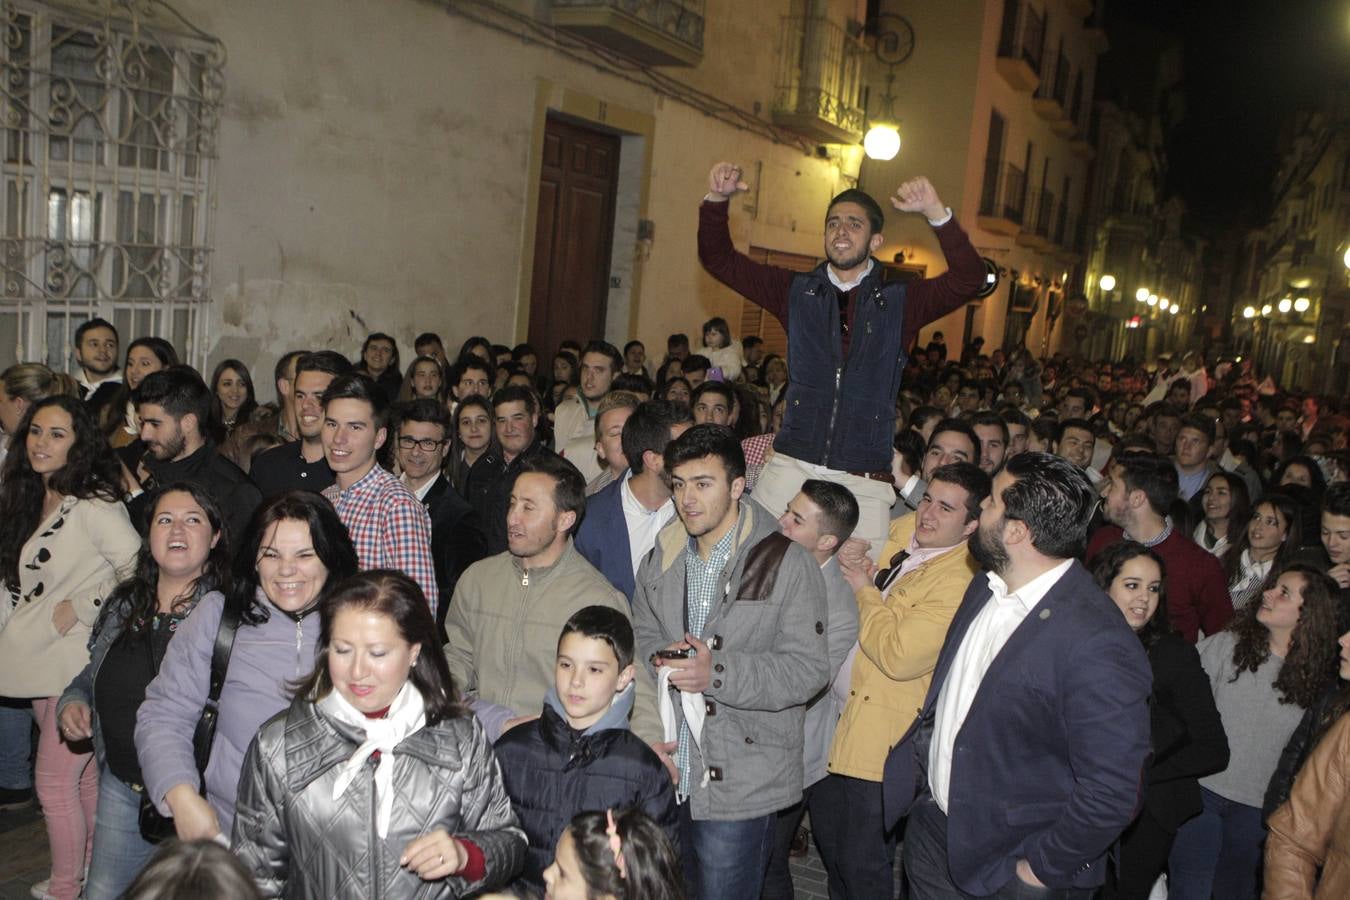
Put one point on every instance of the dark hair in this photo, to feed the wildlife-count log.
(330, 538)
(1105, 569)
(1201, 423)
(520, 351)
(467, 348)
(180, 391)
(427, 337)
(328, 361)
(250, 399)
(1319, 481)
(1293, 536)
(1240, 508)
(388, 593)
(751, 341)
(959, 427)
(424, 409)
(193, 870)
(362, 387)
(651, 869)
(972, 479)
(648, 428)
(707, 440)
(919, 416)
(992, 419)
(637, 384)
(516, 393)
(1045, 428)
(1309, 667)
(604, 623)
(91, 472)
(1337, 499)
(1153, 474)
(137, 597)
(1081, 424)
(405, 391)
(665, 388)
(605, 348)
(1011, 415)
(92, 324)
(379, 336)
(1087, 395)
(631, 344)
(284, 363)
(163, 350)
(908, 443)
(696, 362)
(719, 325)
(470, 361)
(678, 339)
(838, 507)
(715, 387)
(876, 220)
(569, 485)
(1055, 501)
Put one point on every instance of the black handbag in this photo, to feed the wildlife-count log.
(156, 827)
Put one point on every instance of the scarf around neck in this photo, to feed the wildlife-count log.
(407, 714)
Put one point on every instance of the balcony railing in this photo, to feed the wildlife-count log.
(655, 32)
(1021, 45)
(819, 86)
(1003, 197)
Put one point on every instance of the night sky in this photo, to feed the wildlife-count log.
(1248, 63)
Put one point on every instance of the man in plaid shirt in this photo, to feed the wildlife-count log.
(388, 525)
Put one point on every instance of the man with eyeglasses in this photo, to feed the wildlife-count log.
(456, 539)
(848, 332)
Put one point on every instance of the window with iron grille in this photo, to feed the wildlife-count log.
(109, 118)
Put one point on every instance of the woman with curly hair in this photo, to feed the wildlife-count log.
(1277, 657)
(66, 543)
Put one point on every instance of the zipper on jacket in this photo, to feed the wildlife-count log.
(834, 411)
(299, 641)
(375, 880)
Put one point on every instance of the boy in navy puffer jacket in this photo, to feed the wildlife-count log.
(579, 755)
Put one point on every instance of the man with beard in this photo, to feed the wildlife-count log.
(1023, 766)
(174, 406)
(848, 331)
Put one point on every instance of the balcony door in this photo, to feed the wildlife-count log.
(577, 186)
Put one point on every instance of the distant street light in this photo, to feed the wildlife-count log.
(1173, 309)
(1142, 294)
(1249, 312)
(1163, 304)
(1152, 299)
(1302, 304)
(1108, 282)
(1265, 310)
(1286, 304)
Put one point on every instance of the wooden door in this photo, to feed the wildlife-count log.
(575, 230)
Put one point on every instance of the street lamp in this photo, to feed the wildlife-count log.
(1286, 304)
(1163, 304)
(1152, 299)
(1142, 294)
(1249, 312)
(1108, 283)
(1302, 304)
(1265, 310)
(1173, 309)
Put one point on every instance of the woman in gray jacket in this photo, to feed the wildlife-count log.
(376, 782)
(185, 558)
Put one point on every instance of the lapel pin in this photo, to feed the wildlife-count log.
(1045, 614)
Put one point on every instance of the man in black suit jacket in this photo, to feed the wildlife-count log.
(1024, 765)
(457, 541)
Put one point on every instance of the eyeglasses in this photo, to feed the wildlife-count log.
(426, 445)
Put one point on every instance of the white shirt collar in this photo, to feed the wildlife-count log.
(1031, 593)
(849, 285)
(419, 493)
(632, 505)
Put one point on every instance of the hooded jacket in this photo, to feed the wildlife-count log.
(298, 841)
(769, 658)
(553, 771)
(265, 659)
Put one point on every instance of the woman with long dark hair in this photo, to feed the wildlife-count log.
(232, 398)
(118, 417)
(619, 854)
(1223, 509)
(22, 385)
(376, 781)
(185, 558)
(65, 544)
(1187, 736)
(293, 547)
(1276, 658)
(1268, 542)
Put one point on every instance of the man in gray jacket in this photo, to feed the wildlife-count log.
(736, 613)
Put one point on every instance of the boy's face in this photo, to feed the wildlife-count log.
(587, 677)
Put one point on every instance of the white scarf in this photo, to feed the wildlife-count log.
(406, 715)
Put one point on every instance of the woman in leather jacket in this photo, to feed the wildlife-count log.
(375, 782)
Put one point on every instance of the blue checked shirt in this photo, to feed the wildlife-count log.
(702, 579)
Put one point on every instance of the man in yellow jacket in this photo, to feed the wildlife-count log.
(904, 608)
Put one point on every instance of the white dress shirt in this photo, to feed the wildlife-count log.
(643, 524)
(419, 493)
(992, 627)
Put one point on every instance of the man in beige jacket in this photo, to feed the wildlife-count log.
(508, 610)
(904, 609)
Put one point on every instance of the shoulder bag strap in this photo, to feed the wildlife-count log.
(220, 662)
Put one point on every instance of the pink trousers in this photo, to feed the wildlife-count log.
(67, 788)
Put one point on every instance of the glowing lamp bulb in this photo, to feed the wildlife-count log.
(1286, 304)
(881, 142)
(1302, 304)
(1108, 282)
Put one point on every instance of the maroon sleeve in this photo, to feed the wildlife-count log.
(1101, 539)
(761, 284)
(932, 298)
(1215, 605)
(475, 868)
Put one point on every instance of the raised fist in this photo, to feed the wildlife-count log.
(725, 180)
(918, 195)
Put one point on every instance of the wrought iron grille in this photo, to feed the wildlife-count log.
(109, 112)
(820, 72)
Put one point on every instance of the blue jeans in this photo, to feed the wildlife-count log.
(725, 860)
(16, 744)
(1218, 852)
(119, 851)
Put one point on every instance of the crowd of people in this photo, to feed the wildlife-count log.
(599, 625)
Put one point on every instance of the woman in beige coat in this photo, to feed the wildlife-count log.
(66, 542)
